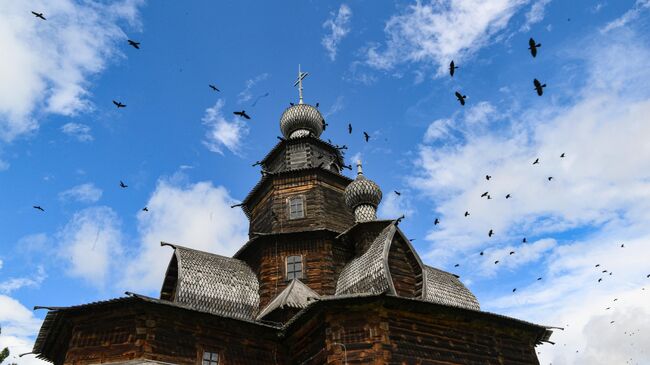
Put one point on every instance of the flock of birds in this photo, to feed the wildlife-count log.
(538, 87)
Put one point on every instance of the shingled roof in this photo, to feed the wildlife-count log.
(444, 288)
(212, 283)
(295, 295)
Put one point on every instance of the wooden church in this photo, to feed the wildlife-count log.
(320, 281)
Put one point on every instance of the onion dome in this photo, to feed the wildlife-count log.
(300, 120)
(363, 197)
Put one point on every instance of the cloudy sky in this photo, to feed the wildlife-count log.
(381, 66)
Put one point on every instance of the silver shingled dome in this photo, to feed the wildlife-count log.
(362, 191)
(301, 119)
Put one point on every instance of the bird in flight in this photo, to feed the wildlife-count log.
(145, 209)
(38, 15)
(496, 262)
(213, 87)
(456, 265)
(508, 196)
(484, 194)
(597, 265)
(648, 276)
(460, 97)
(539, 87)
(242, 114)
(562, 155)
(512, 252)
(599, 280)
(490, 233)
(489, 197)
(397, 192)
(514, 290)
(366, 136)
(38, 207)
(524, 240)
(532, 46)
(123, 185)
(349, 128)
(119, 104)
(452, 68)
(550, 178)
(466, 213)
(536, 161)
(622, 245)
(317, 105)
(134, 44)
(436, 221)
(482, 253)
(488, 177)
(539, 278)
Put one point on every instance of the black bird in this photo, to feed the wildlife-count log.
(562, 155)
(482, 253)
(242, 114)
(119, 104)
(550, 178)
(366, 136)
(317, 105)
(213, 87)
(135, 44)
(514, 290)
(648, 276)
(436, 221)
(466, 213)
(536, 161)
(608, 308)
(38, 15)
(599, 280)
(489, 197)
(539, 278)
(488, 177)
(604, 271)
(292, 104)
(452, 68)
(532, 46)
(349, 128)
(484, 194)
(236, 205)
(524, 240)
(397, 192)
(145, 209)
(490, 233)
(622, 245)
(508, 196)
(456, 265)
(512, 252)
(398, 220)
(611, 322)
(256, 163)
(38, 207)
(496, 262)
(460, 97)
(123, 185)
(539, 87)
(597, 265)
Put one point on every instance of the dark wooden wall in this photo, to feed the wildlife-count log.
(324, 205)
(404, 269)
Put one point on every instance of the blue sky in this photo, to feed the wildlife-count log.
(380, 66)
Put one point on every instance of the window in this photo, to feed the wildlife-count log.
(296, 208)
(294, 267)
(210, 358)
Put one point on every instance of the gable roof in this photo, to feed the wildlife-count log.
(212, 283)
(444, 288)
(295, 295)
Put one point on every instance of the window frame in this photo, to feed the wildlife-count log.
(303, 203)
(210, 361)
(302, 267)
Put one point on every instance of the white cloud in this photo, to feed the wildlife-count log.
(338, 25)
(628, 16)
(77, 130)
(50, 62)
(393, 206)
(221, 132)
(91, 243)
(439, 31)
(247, 94)
(336, 107)
(192, 215)
(19, 325)
(535, 14)
(12, 284)
(84, 193)
(601, 190)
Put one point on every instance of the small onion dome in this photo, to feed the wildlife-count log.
(362, 191)
(301, 119)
